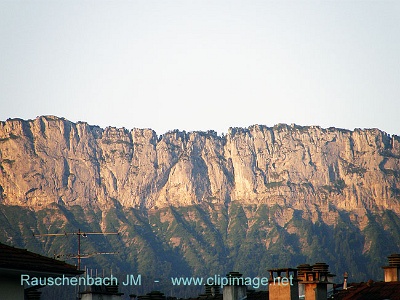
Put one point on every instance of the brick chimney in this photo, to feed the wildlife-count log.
(392, 271)
(314, 280)
(283, 284)
(301, 270)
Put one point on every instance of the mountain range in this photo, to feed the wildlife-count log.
(199, 203)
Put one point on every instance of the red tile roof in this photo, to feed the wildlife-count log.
(371, 291)
(15, 259)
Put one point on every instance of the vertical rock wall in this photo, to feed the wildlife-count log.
(51, 159)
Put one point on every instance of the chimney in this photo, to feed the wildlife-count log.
(315, 281)
(156, 295)
(212, 290)
(392, 271)
(345, 276)
(101, 292)
(236, 290)
(301, 271)
(283, 284)
(153, 295)
(32, 293)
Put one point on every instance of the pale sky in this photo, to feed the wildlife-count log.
(200, 65)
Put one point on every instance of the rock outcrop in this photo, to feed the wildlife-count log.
(52, 160)
(197, 203)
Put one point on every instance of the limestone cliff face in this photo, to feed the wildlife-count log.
(51, 159)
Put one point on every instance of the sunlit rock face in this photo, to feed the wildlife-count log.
(52, 160)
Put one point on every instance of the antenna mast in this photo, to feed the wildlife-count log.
(80, 234)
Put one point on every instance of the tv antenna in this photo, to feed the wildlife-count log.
(80, 234)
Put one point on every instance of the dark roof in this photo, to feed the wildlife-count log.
(371, 291)
(16, 259)
(259, 295)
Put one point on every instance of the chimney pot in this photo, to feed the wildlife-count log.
(394, 259)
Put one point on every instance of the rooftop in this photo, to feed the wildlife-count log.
(16, 260)
(370, 291)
